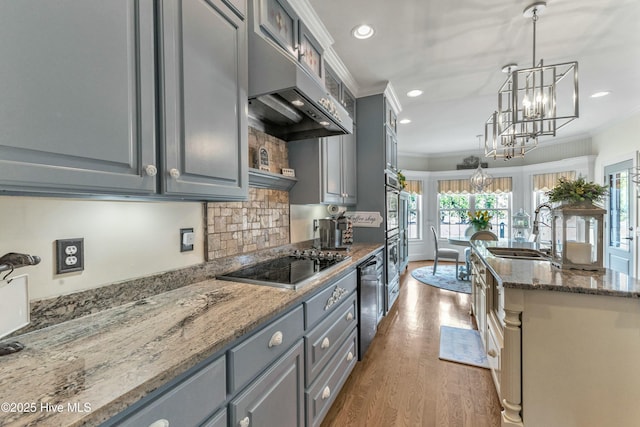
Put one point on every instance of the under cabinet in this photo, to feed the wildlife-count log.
(326, 170)
(276, 398)
(78, 97)
(203, 92)
(127, 98)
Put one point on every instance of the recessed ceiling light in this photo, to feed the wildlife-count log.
(600, 94)
(363, 31)
(413, 93)
(405, 121)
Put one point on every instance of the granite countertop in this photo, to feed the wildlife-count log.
(109, 360)
(542, 275)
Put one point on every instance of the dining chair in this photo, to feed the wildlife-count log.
(444, 253)
(478, 235)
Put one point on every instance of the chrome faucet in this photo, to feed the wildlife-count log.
(536, 223)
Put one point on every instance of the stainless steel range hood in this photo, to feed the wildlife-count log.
(287, 101)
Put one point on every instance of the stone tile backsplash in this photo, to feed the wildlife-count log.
(235, 228)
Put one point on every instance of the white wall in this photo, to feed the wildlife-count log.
(615, 144)
(302, 217)
(122, 239)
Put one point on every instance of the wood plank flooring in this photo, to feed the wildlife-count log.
(401, 381)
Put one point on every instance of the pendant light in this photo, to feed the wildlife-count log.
(480, 180)
(532, 103)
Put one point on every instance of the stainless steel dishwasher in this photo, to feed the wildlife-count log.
(370, 279)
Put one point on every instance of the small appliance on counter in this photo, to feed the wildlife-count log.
(336, 232)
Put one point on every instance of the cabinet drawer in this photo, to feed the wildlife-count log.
(275, 398)
(494, 356)
(218, 420)
(187, 404)
(324, 391)
(249, 358)
(327, 300)
(322, 343)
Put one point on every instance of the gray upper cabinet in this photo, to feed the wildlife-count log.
(339, 91)
(204, 98)
(78, 97)
(326, 170)
(80, 112)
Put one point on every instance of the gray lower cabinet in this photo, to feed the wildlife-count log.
(275, 398)
(204, 101)
(218, 420)
(323, 391)
(188, 403)
(78, 96)
(326, 170)
(80, 112)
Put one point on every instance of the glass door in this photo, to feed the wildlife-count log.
(620, 230)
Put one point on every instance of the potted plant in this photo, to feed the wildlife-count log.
(402, 180)
(578, 191)
(480, 220)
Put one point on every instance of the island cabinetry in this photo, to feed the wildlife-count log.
(189, 402)
(479, 294)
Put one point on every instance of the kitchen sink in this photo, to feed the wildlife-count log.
(519, 253)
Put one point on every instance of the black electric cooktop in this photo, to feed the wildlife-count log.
(291, 271)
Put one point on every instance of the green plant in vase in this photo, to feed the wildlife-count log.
(577, 191)
(480, 220)
(402, 180)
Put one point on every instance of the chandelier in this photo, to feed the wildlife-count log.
(532, 102)
(480, 180)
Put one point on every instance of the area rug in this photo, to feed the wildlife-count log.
(462, 346)
(444, 278)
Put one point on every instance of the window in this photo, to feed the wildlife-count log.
(414, 231)
(453, 209)
(541, 184)
(455, 200)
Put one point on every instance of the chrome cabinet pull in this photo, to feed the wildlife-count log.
(245, 422)
(325, 343)
(492, 353)
(160, 423)
(349, 316)
(175, 173)
(349, 357)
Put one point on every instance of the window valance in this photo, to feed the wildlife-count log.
(413, 186)
(546, 181)
(461, 186)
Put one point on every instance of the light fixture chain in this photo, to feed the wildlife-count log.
(534, 18)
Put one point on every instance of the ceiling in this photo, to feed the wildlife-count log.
(454, 50)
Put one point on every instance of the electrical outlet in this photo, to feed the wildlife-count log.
(69, 255)
(187, 237)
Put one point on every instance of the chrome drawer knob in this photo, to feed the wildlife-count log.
(349, 357)
(276, 339)
(245, 422)
(160, 423)
(175, 173)
(492, 353)
(349, 316)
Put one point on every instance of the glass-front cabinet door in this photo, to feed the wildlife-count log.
(620, 247)
(310, 53)
(279, 21)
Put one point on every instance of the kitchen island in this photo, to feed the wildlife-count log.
(86, 370)
(562, 345)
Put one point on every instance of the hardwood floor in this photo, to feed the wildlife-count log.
(401, 381)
